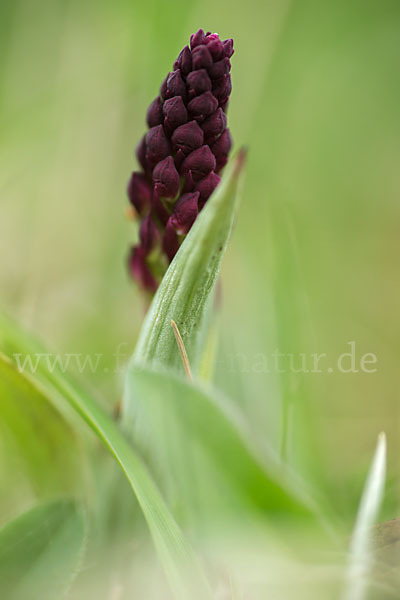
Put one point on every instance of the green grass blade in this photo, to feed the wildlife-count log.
(360, 551)
(40, 552)
(177, 556)
(186, 289)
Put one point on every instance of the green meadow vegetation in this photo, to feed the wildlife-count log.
(238, 437)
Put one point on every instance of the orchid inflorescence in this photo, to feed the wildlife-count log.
(181, 155)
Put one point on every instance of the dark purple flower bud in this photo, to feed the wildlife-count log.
(149, 234)
(214, 46)
(166, 178)
(139, 192)
(224, 105)
(141, 153)
(185, 212)
(197, 38)
(222, 87)
(175, 113)
(187, 137)
(175, 85)
(157, 145)
(206, 186)
(184, 61)
(198, 82)
(170, 241)
(179, 158)
(228, 47)
(158, 208)
(189, 183)
(221, 149)
(200, 162)
(155, 113)
(140, 269)
(211, 37)
(202, 106)
(163, 88)
(220, 68)
(201, 58)
(214, 125)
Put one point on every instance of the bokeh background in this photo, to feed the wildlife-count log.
(313, 263)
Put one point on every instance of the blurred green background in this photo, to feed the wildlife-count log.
(313, 264)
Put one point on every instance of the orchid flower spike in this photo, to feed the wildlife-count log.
(181, 155)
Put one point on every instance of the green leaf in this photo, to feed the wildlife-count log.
(201, 444)
(186, 289)
(180, 563)
(39, 452)
(177, 556)
(24, 351)
(40, 552)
